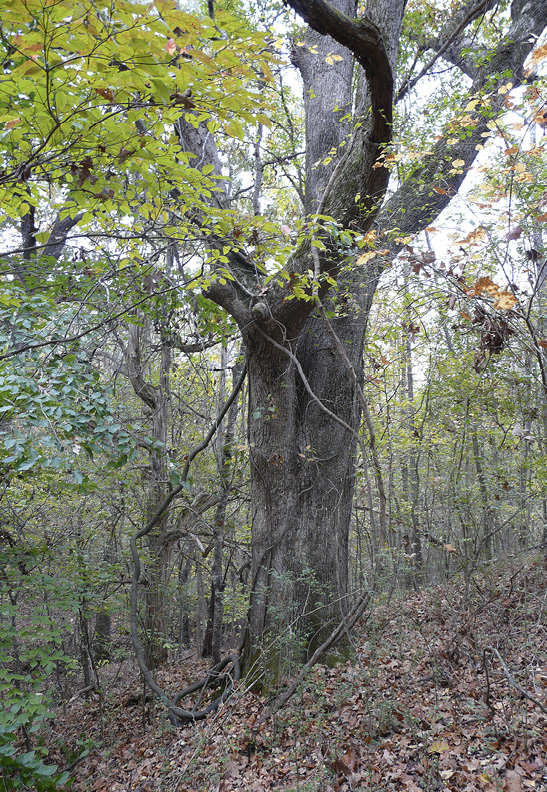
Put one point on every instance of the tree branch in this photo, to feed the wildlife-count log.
(471, 15)
(362, 38)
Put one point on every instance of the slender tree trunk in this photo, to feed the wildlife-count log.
(156, 400)
(213, 636)
(487, 514)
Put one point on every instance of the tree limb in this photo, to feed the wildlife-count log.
(362, 38)
(471, 15)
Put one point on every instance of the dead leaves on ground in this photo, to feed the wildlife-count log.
(411, 715)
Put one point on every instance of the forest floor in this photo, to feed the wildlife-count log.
(438, 697)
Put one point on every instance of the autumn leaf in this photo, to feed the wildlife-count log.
(477, 235)
(484, 284)
(505, 301)
(538, 55)
(365, 257)
(513, 782)
(438, 746)
(346, 764)
(171, 46)
(514, 233)
(106, 93)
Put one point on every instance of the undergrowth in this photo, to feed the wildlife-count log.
(424, 704)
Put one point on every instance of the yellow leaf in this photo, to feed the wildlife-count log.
(439, 746)
(459, 163)
(471, 105)
(506, 300)
(337, 58)
(366, 257)
(329, 60)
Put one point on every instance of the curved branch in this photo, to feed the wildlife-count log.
(363, 39)
(212, 676)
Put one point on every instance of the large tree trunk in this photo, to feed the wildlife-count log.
(302, 457)
(302, 474)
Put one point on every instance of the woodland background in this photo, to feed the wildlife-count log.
(273, 365)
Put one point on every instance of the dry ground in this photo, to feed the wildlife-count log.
(425, 704)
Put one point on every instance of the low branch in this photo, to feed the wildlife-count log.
(514, 683)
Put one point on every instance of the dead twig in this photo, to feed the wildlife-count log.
(514, 683)
(344, 626)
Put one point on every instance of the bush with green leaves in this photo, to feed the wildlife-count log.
(31, 650)
(25, 770)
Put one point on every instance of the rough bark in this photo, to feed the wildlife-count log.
(303, 463)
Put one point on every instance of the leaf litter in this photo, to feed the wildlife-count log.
(423, 706)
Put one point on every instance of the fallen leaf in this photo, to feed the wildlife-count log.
(439, 745)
